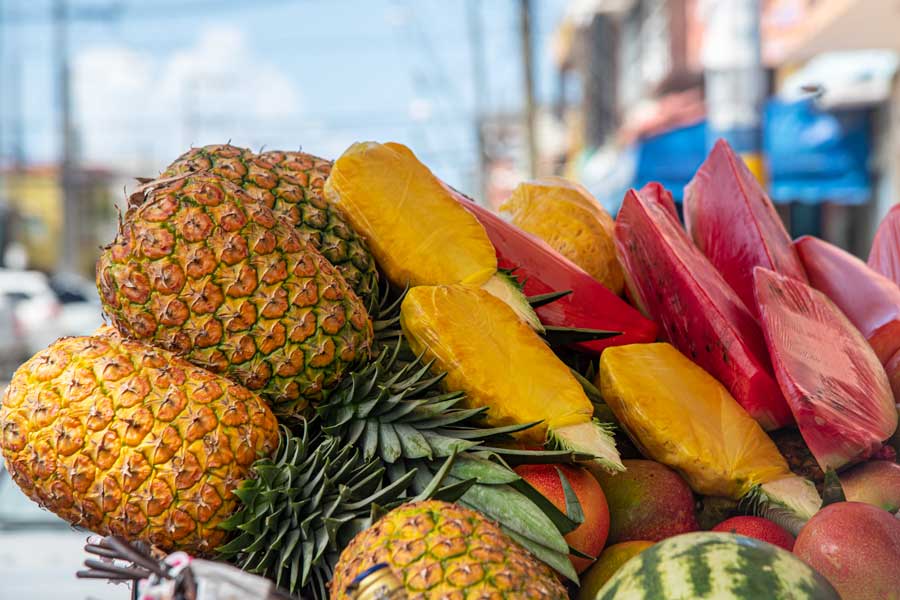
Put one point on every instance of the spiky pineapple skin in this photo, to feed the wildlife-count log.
(291, 184)
(201, 268)
(444, 551)
(124, 439)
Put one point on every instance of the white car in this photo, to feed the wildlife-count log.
(41, 318)
(40, 553)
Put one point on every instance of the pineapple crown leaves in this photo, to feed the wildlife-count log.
(308, 500)
(293, 514)
(833, 491)
(393, 408)
(760, 503)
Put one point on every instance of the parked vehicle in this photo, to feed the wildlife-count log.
(40, 553)
(41, 315)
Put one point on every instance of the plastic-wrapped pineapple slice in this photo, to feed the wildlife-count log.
(502, 364)
(417, 230)
(679, 415)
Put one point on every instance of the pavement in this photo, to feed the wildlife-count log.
(40, 564)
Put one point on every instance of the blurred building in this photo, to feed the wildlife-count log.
(641, 102)
(33, 219)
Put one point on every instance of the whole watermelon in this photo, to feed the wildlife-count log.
(720, 566)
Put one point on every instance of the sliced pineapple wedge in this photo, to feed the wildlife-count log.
(501, 364)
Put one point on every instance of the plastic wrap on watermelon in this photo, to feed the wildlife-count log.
(832, 379)
(734, 223)
(869, 299)
(543, 270)
(884, 256)
(655, 192)
(679, 415)
(697, 310)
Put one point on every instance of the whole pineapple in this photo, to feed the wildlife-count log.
(441, 550)
(201, 268)
(124, 439)
(291, 184)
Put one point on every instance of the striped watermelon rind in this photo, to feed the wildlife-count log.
(720, 566)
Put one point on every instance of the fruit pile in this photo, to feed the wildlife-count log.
(315, 369)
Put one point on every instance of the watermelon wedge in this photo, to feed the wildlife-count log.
(657, 193)
(884, 256)
(543, 270)
(734, 223)
(832, 379)
(870, 300)
(697, 310)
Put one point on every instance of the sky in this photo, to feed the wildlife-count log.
(163, 75)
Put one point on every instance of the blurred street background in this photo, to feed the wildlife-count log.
(612, 93)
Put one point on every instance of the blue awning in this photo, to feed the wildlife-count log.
(671, 158)
(813, 156)
(816, 156)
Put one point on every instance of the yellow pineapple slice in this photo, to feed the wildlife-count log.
(566, 216)
(681, 416)
(500, 363)
(417, 231)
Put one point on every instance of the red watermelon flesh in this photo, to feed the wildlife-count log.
(734, 223)
(655, 192)
(832, 379)
(696, 309)
(884, 256)
(870, 300)
(543, 270)
(893, 370)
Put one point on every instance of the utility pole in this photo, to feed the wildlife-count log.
(528, 68)
(735, 80)
(68, 259)
(2, 87)
(479, 93)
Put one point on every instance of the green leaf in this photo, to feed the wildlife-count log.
(445, 446)
(573, 506)
(453, 491)
(558, 561)
(482, 470)
(438, 479)
(832, 491)
(413, 443)
(566, 336)
(504, 504)
(390, 447)
(370, 440)
(539, 300)
(560, 520)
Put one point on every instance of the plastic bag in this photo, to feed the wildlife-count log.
(695, 307)
(734, 223)
(884, 256)
(679, 415)
(567, 217)
(832, 379)
(417, 231)
(501, 364)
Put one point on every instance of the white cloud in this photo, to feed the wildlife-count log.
(132, 108)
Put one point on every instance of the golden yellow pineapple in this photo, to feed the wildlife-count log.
(201, 268)
(568, 218)
(444, 551)
(124, 439)
(291, 184)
